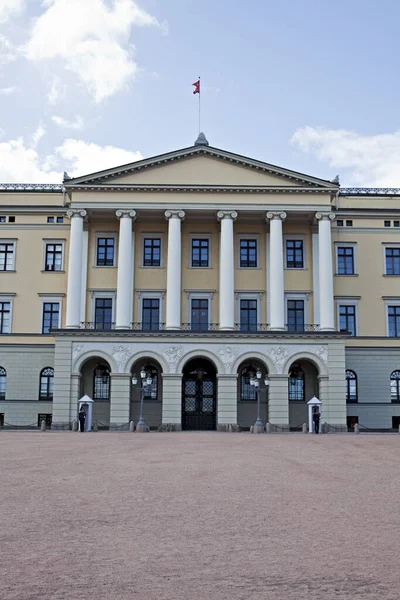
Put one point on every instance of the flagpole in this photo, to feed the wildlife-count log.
(199, 107)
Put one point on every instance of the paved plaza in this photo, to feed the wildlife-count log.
(193, 516)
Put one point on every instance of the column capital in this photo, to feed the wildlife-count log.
(227, 214)
(126, 213)
(270, 216)
(73, 212)
(175, 214)
(322, 216)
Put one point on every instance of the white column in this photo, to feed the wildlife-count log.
(226, 271)
(125, 270)
(326, 305)
(85, 249)
(315, 266)
(75, 269)
(174, 269)
(276, 281)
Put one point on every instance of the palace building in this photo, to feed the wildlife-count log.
(199, 268)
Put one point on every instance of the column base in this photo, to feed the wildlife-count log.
(142, 428)
(257, 429)
(271, 328)
(123, 326)
(172, 327)
(229, 427)
(169, 427)
(77, 326)
(326, 328)
(226, 328)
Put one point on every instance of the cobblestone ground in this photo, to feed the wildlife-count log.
(193, 516)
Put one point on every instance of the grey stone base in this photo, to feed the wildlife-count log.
(257, 429)
(142, 428)
(277, 428)
(61, 427)
(229, 427)
(335, 428)
(117, 427)
(169, 427)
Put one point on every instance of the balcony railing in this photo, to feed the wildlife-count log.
(245, 328)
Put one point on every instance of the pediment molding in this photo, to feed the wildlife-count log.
(223, 189)
(104, 178)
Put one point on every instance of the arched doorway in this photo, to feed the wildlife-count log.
(96, 383)
(302, 386)
(247, 393)
(199, 395)
(152, 392)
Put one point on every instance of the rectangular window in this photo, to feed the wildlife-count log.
(60, 219)
(51, 316)
(295, 315)
(347, 318)
(392, 261)
(7, 256)
(340, 223)
(2, 219)
(50, 219)
(199, 313)
(105, 252)
(103, 313)
(294, 254)
(5, 317)
(152, 252)
(349, 223)
(11, 219)
(200, 253)
(386, 223)
(396, 223)
(248, 253)
(151, 314)
(248, 315)
(47, 418)
(345, 261)
(394, 321)
(53, 259)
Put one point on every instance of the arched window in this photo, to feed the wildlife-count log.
(3, 377)
(151, 391)
(351, 387)
(296, 384)
(247, 391)
(101, 383)
(395, 386)
(46, 384)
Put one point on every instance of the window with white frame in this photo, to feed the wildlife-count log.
(392, 260)
(7, 255)
(199, 310)
(53, 255)
(347, 315)
(248, 311)
(103, 309)
(295, 252)
(152, 250)
(105, 250)
(296, 305)
(393, 319)
(345, 259)
(51, 314)
(151, 309)
(248, 251)
(5, 314)
(200, 251)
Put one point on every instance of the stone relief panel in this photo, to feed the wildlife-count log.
(225, 355)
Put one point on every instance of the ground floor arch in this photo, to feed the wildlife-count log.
(249, 369)
(95, 381)
(303, 384)
(152, 392)
(199, 395)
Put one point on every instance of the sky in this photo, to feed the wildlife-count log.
(310, 85)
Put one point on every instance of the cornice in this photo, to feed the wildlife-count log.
(32, 187)
(244, 189)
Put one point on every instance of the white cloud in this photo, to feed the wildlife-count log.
(7, 51)
(76, 123)
(10, 7)
(57, 91)
(21, 162)
(94, 43)
(367, 160)
(7, 91)
(37, 135)
(83, 157)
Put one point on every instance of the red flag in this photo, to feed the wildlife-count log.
(196, 87)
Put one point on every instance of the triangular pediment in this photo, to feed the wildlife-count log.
(201, 166)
